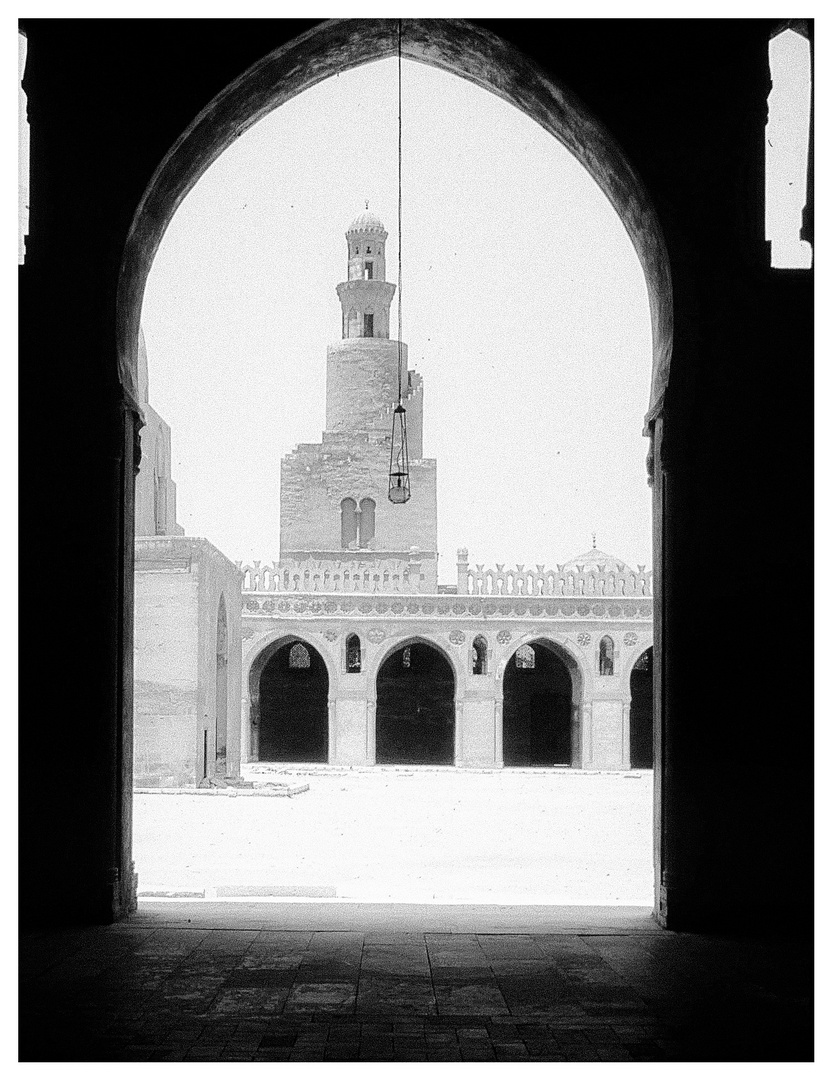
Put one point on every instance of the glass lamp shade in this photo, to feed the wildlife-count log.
(399, 486)
(399, 491)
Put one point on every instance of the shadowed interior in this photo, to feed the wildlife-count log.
(415, 708)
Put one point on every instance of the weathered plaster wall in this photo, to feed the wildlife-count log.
(362, 384)
(155, 441)
(314, 479)
(166, 672)
(218, 576)
(153, 480)
(178, 583)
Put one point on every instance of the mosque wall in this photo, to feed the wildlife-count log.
(178, 585)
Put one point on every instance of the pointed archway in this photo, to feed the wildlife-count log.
(641, 712)
(290, 704)
(415, 707)
(539, 696)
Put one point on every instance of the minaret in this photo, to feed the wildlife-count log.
(334, 510)
(363, 368)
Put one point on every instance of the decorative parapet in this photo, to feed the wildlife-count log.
(384, 574)
(438, 606)
(578, 581)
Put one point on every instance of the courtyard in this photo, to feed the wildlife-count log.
(424, 835)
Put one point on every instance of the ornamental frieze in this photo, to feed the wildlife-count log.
(465, 607)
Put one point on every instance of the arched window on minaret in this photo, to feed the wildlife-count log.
(349, 522)
(366, 522)
(353, 654)
(606, 654)
(368, 324)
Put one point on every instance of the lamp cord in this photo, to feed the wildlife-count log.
(400, 214)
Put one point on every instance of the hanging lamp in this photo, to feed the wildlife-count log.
(398, 490)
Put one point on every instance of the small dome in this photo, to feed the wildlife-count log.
(594, 559)
(366, 221)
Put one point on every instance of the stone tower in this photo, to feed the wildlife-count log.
(336, 523)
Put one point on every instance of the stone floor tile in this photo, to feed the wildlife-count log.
(471, 998)
(321, 997)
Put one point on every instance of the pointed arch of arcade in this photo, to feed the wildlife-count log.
(323, 672)
(460, 48)
(457, 674)
(639, 727)
(570, 664)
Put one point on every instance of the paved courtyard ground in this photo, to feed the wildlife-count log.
(206, 981)
(423, 835)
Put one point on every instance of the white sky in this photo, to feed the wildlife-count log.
(525, 309)
(787, 139)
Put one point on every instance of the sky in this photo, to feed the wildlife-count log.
(787, 136)
(524, 308)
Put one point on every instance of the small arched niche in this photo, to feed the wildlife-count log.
(353, 654)
(479, 656)
(349, 523)
(606, 656)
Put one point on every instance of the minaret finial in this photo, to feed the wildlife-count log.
(593, 541)
(366, 204)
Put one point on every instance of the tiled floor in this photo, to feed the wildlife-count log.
(180, 987)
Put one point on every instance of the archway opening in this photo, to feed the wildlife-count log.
(415, 707)
(293, 693)
(641, 712)
(537, 708)
(419, 726)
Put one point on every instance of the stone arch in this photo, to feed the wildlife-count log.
(317, 679)
(416, 701)
(434, 640)
(456, 46)
(555, 719)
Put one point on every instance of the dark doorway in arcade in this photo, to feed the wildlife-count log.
(415, 708)
(641, 712)
(293, 719)
(537, 708)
